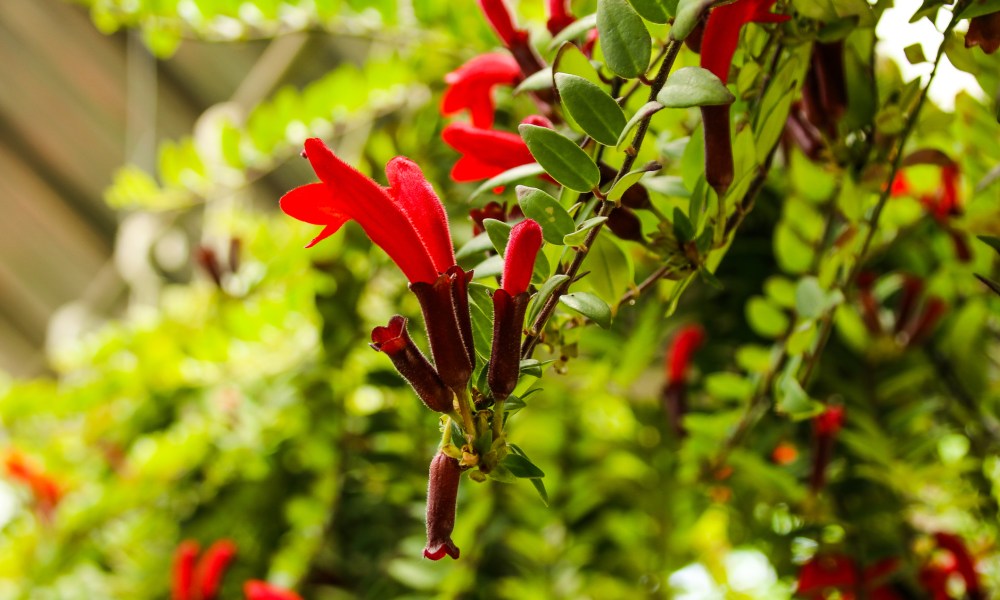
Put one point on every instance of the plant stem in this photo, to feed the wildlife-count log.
(534, 333)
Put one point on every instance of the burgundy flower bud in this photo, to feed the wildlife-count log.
(623, 223)
(812, 102)
(505, 355)
(962, 251)
(675, 406)
(412, 364)
(984, 31)
(718, 148)
(804, 135)
(446, 316)
(693, 39)
(828, 62)
(208, 260)
(826, 427)
(922, 327)
(519, 259)
(493, 210)
(442, 496)
(913, 287)
(964, 564)
(235, 249)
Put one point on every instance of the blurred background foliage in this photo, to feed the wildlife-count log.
(248, 405)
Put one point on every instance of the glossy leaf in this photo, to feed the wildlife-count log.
(590, 306)
(561, 158)
(555, 221)
(591, 107)
(624, 38)
(694, 86)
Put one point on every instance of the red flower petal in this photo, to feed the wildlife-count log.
(486, 152)
(722, 32)
(364, 201)
(687, 340)
(519, 257)
(255, 589)
(559, 16)
(499, 18)
(212, 567)
(182, 580)
(412, 192)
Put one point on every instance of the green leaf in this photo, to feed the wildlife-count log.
(915, 54)
(539, 80)
(689, 12)
(491, 267)
(610, 270)
(543, 294)
(540, 488)
(566, 162)
(624, 38)
(791, 399)
(683, 229)
(499, 233)
(989, 283)
(646, 110)
(766, 319)
(592, 108)
(521, 467)
(508, 177)
(622, 185)
(574, 30)
(578, 237)
(555, 221)
(694, 86)
(590, 306)
(993, 241)
(810, 299)
(572, 61)
(654, 11)
(478, 244)
(980, 8)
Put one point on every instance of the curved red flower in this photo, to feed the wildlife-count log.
(687, 340)
(471, 86)
(406, 220)
(212, 567)
(559, 16)
(255, 589)
(485, 152)
(722, 32)
(502, 22)
(182, 580)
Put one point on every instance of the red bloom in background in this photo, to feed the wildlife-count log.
(471, 86)
(261, 590)
(44, 488)
(722, 32)
(499, 17)
(485, 152)
(406, 219)
(826, 427)
(830, 421)
(840, 572)
(687, 340)
(960, 562)
(559, 16)
(194, 579)
(944, 202)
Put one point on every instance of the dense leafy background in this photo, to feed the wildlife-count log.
(256, 411)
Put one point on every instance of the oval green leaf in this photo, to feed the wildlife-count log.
(590, 306)
(646, 110)
(592, 108)
(580, 235)
(627, 180)
(498, 232)
(624, 38)
(694, 86)
(654, 11)
(566, 162)
(689, 12)
(555, 221)
(574, 30)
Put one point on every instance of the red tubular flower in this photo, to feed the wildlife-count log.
(965, 565)
(255, 589)
(900, 186)
(445, 305)
(913, 287)
(842, 573)
(509, 305)
(687, 340)
(182, 584)
(411, 364)
(406, 220)
(500, 19)
(676, 364)
(212, 567)
(471, 86)
(920, 328)
(559, 16)
(485, 152)
(826, 426)
(46, 490)
(519, 258)
(722, 36)
(442, 497)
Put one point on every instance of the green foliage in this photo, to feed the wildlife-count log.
(255, 410)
